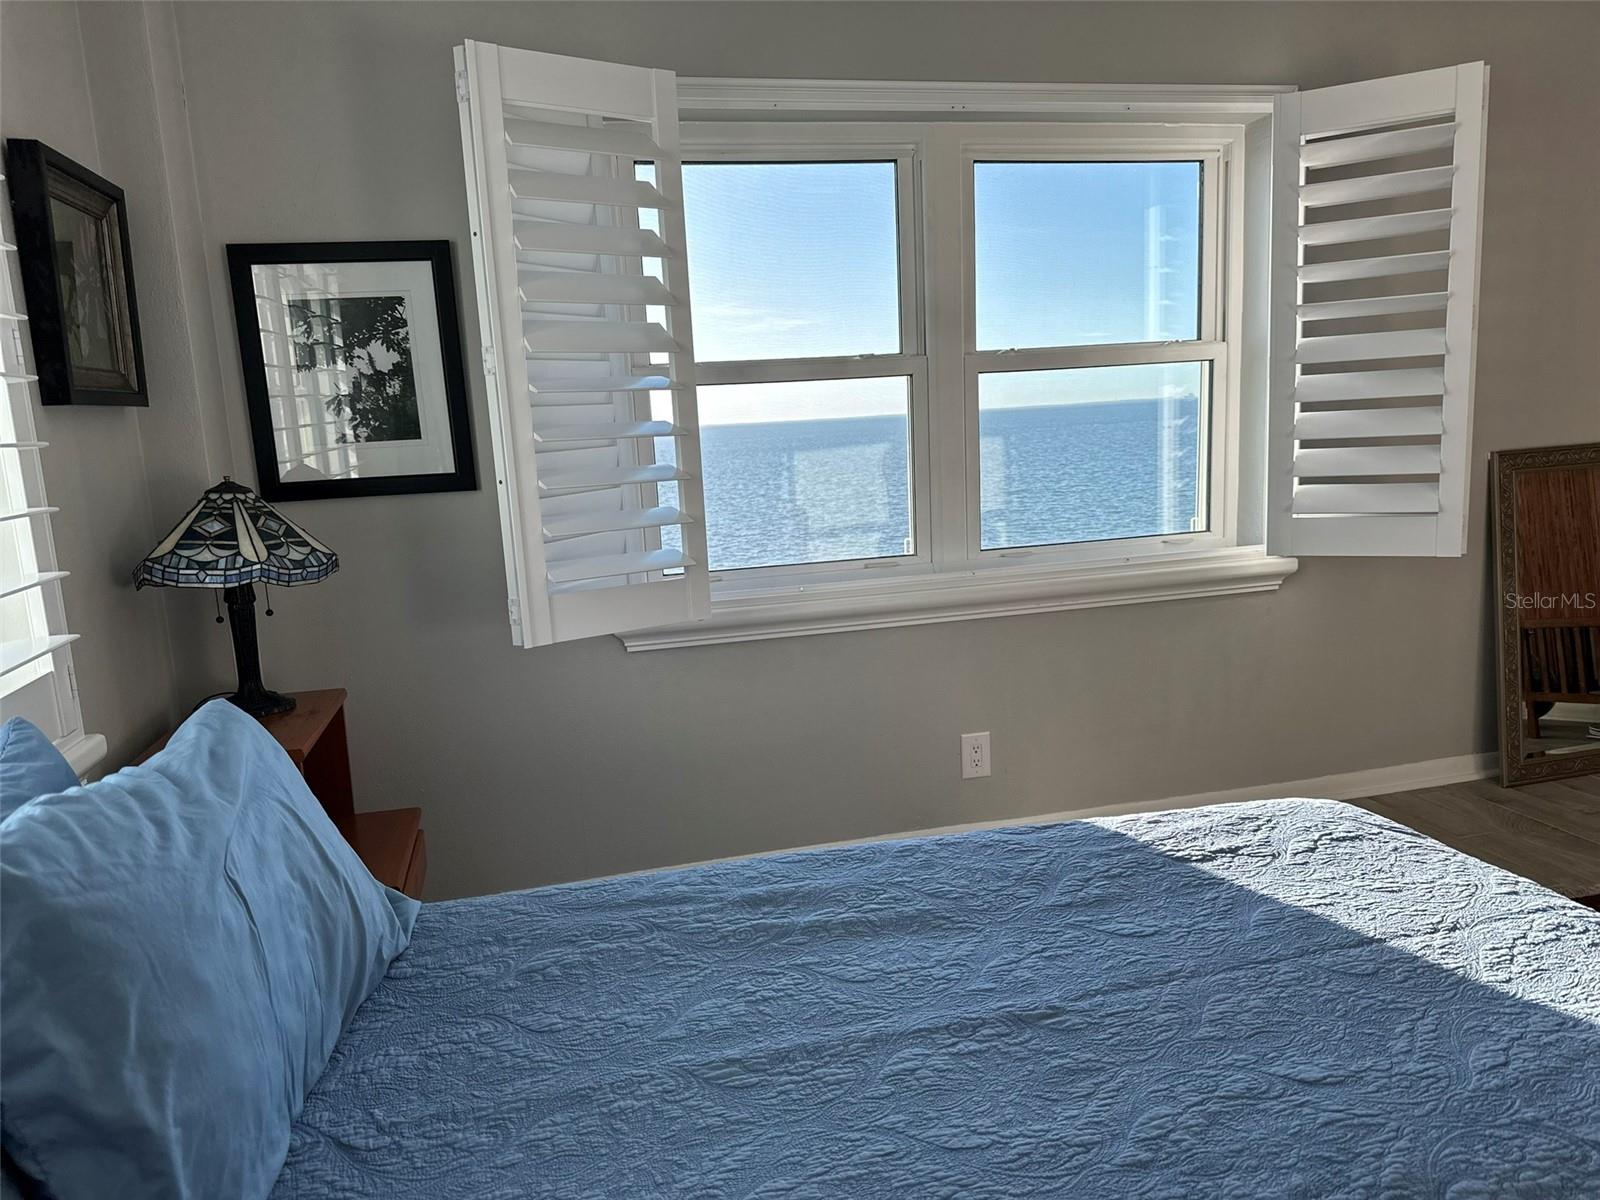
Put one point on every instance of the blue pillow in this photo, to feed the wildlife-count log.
(183, 943)
(29, 766)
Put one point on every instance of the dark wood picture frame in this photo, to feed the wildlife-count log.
(243, 257)
(1555, 640)
(38, 175)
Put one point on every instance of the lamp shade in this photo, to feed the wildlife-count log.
(233, 537)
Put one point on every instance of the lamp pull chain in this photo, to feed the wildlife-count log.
(267, 588)
(217, 596)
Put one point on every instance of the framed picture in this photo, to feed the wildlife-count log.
(352, 368)
(77, 278)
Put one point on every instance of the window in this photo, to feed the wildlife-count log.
(802, 259)
(1068, 278)
(1071, 256)
(1091, 454)
(972, 349)
(807, 399)
(35, 660)
(1086, 253)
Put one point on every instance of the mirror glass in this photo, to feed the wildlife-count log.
(1547, 557)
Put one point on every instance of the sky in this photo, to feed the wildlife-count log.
(800, 260)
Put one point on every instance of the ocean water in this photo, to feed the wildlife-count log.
(785, 492)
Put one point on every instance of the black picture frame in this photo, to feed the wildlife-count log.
(243, 258)
(40, 178)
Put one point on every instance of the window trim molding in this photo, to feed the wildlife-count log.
(763, 614)
(727, 97)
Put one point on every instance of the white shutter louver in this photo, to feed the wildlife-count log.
(1378, 195)
(575, 198)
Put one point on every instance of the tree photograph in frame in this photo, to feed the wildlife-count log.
(352, 363)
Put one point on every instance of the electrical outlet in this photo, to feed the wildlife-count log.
(974, 755)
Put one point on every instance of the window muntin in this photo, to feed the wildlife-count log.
(1092, 454)
(1086, 253)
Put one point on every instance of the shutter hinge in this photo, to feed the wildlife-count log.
(489, 367)
(462, 88)
(514, 611)
(72, 682)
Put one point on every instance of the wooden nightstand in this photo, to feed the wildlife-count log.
(391, 841)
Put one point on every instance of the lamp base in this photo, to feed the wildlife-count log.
(253, 696)
(259, 702)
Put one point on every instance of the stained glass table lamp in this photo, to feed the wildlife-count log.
(231, 540)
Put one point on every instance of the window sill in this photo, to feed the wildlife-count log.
(752, 615)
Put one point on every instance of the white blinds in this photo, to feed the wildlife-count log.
(574, 194)
(1378, 192)
(35, 666)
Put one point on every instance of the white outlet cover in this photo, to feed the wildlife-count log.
(975, 755)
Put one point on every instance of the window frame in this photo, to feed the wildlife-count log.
(963, 580)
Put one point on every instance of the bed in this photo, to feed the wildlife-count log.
(1277, 999)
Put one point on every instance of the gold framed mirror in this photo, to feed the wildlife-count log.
(1547, 596)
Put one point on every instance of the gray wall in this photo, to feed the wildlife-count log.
(333, 121)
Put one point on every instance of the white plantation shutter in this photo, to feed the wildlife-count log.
(35, 661)
(1378, 195)
(575, 197)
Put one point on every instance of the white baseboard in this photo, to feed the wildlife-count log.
(1436, 772)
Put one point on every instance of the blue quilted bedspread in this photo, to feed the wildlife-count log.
(1283, 999)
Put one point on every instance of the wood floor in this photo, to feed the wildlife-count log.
(1548, 832)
